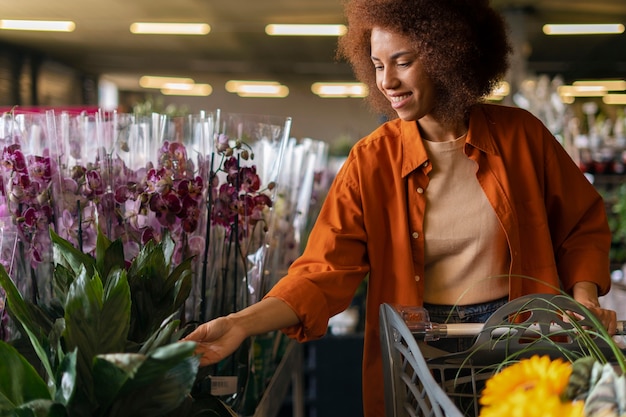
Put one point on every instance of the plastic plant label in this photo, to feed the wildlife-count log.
(223, 385)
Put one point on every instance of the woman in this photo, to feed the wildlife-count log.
(453, 202)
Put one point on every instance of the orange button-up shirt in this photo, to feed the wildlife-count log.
(372, 223)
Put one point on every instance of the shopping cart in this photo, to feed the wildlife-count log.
(421, 381)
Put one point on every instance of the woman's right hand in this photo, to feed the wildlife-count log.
(216, 339)
(220, 337)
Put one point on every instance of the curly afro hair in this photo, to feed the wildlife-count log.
(462, 45)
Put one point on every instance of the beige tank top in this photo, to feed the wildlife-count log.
(466, 252)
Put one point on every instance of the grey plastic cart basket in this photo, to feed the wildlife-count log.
(410, 389)
(531, 325)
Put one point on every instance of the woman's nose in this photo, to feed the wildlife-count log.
(389, 79)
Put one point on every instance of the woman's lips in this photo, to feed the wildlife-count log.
(399, 100)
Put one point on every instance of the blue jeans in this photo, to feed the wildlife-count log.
(472, 313)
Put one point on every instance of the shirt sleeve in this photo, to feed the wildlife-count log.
(323, 281)
(578, 222)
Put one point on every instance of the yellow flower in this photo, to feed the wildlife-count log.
(549, 375)
(536, 402)
(530, 388)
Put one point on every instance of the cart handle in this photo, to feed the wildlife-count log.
(418, 322)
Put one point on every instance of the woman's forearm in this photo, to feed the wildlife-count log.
(586, 293)
(267, 315)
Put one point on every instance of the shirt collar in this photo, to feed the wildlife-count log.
(479, 136)
(413, 151)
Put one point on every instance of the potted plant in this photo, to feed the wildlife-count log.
(108, 343)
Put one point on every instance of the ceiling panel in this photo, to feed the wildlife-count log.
(237, 44)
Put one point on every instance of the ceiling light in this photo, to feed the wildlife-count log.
(339, 90)
(587, 29)
(233, 86)
(150, 81)
(187, 90)
(38, 25)
(305, 30)
(609, 85)
(615, 99)
(581, 91)
(257, 88)
(278, 91)
(170, 28)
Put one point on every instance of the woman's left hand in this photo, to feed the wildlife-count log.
(586, 293)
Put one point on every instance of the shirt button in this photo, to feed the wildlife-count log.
(420, 190)
(415, 235)
(417, 278)
(425, 164)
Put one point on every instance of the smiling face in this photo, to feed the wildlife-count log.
(400, 76)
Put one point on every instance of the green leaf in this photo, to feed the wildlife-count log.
(163, 336)
(180, 282)
(41, 408)
(183, 289)
(102, 244)
(110, 373)
(55, 341)
(158, 387)
(97, 318)
(63, 278)
(150, 262)
(82, 315)
(18, 307)
(173, 352)
(19, 381)
(160, 360)
(116, 312)
(109, 256)
(66, 379)
(26, 315)
(157, 290)
(172, 388)
(64, 253)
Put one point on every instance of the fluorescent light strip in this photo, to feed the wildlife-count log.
(581, 91)
(234, 86)
(339, 90)
(150, 81)
(147, 28)
(277, 91)
(305, 30)
(187, 90)
(39, 25)
(619, 99)
(267, 89)
(609, 85)
(587, 29)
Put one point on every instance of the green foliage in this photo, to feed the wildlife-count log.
(155, 295)
(617, 224)
(108, 344)
(20, 382)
